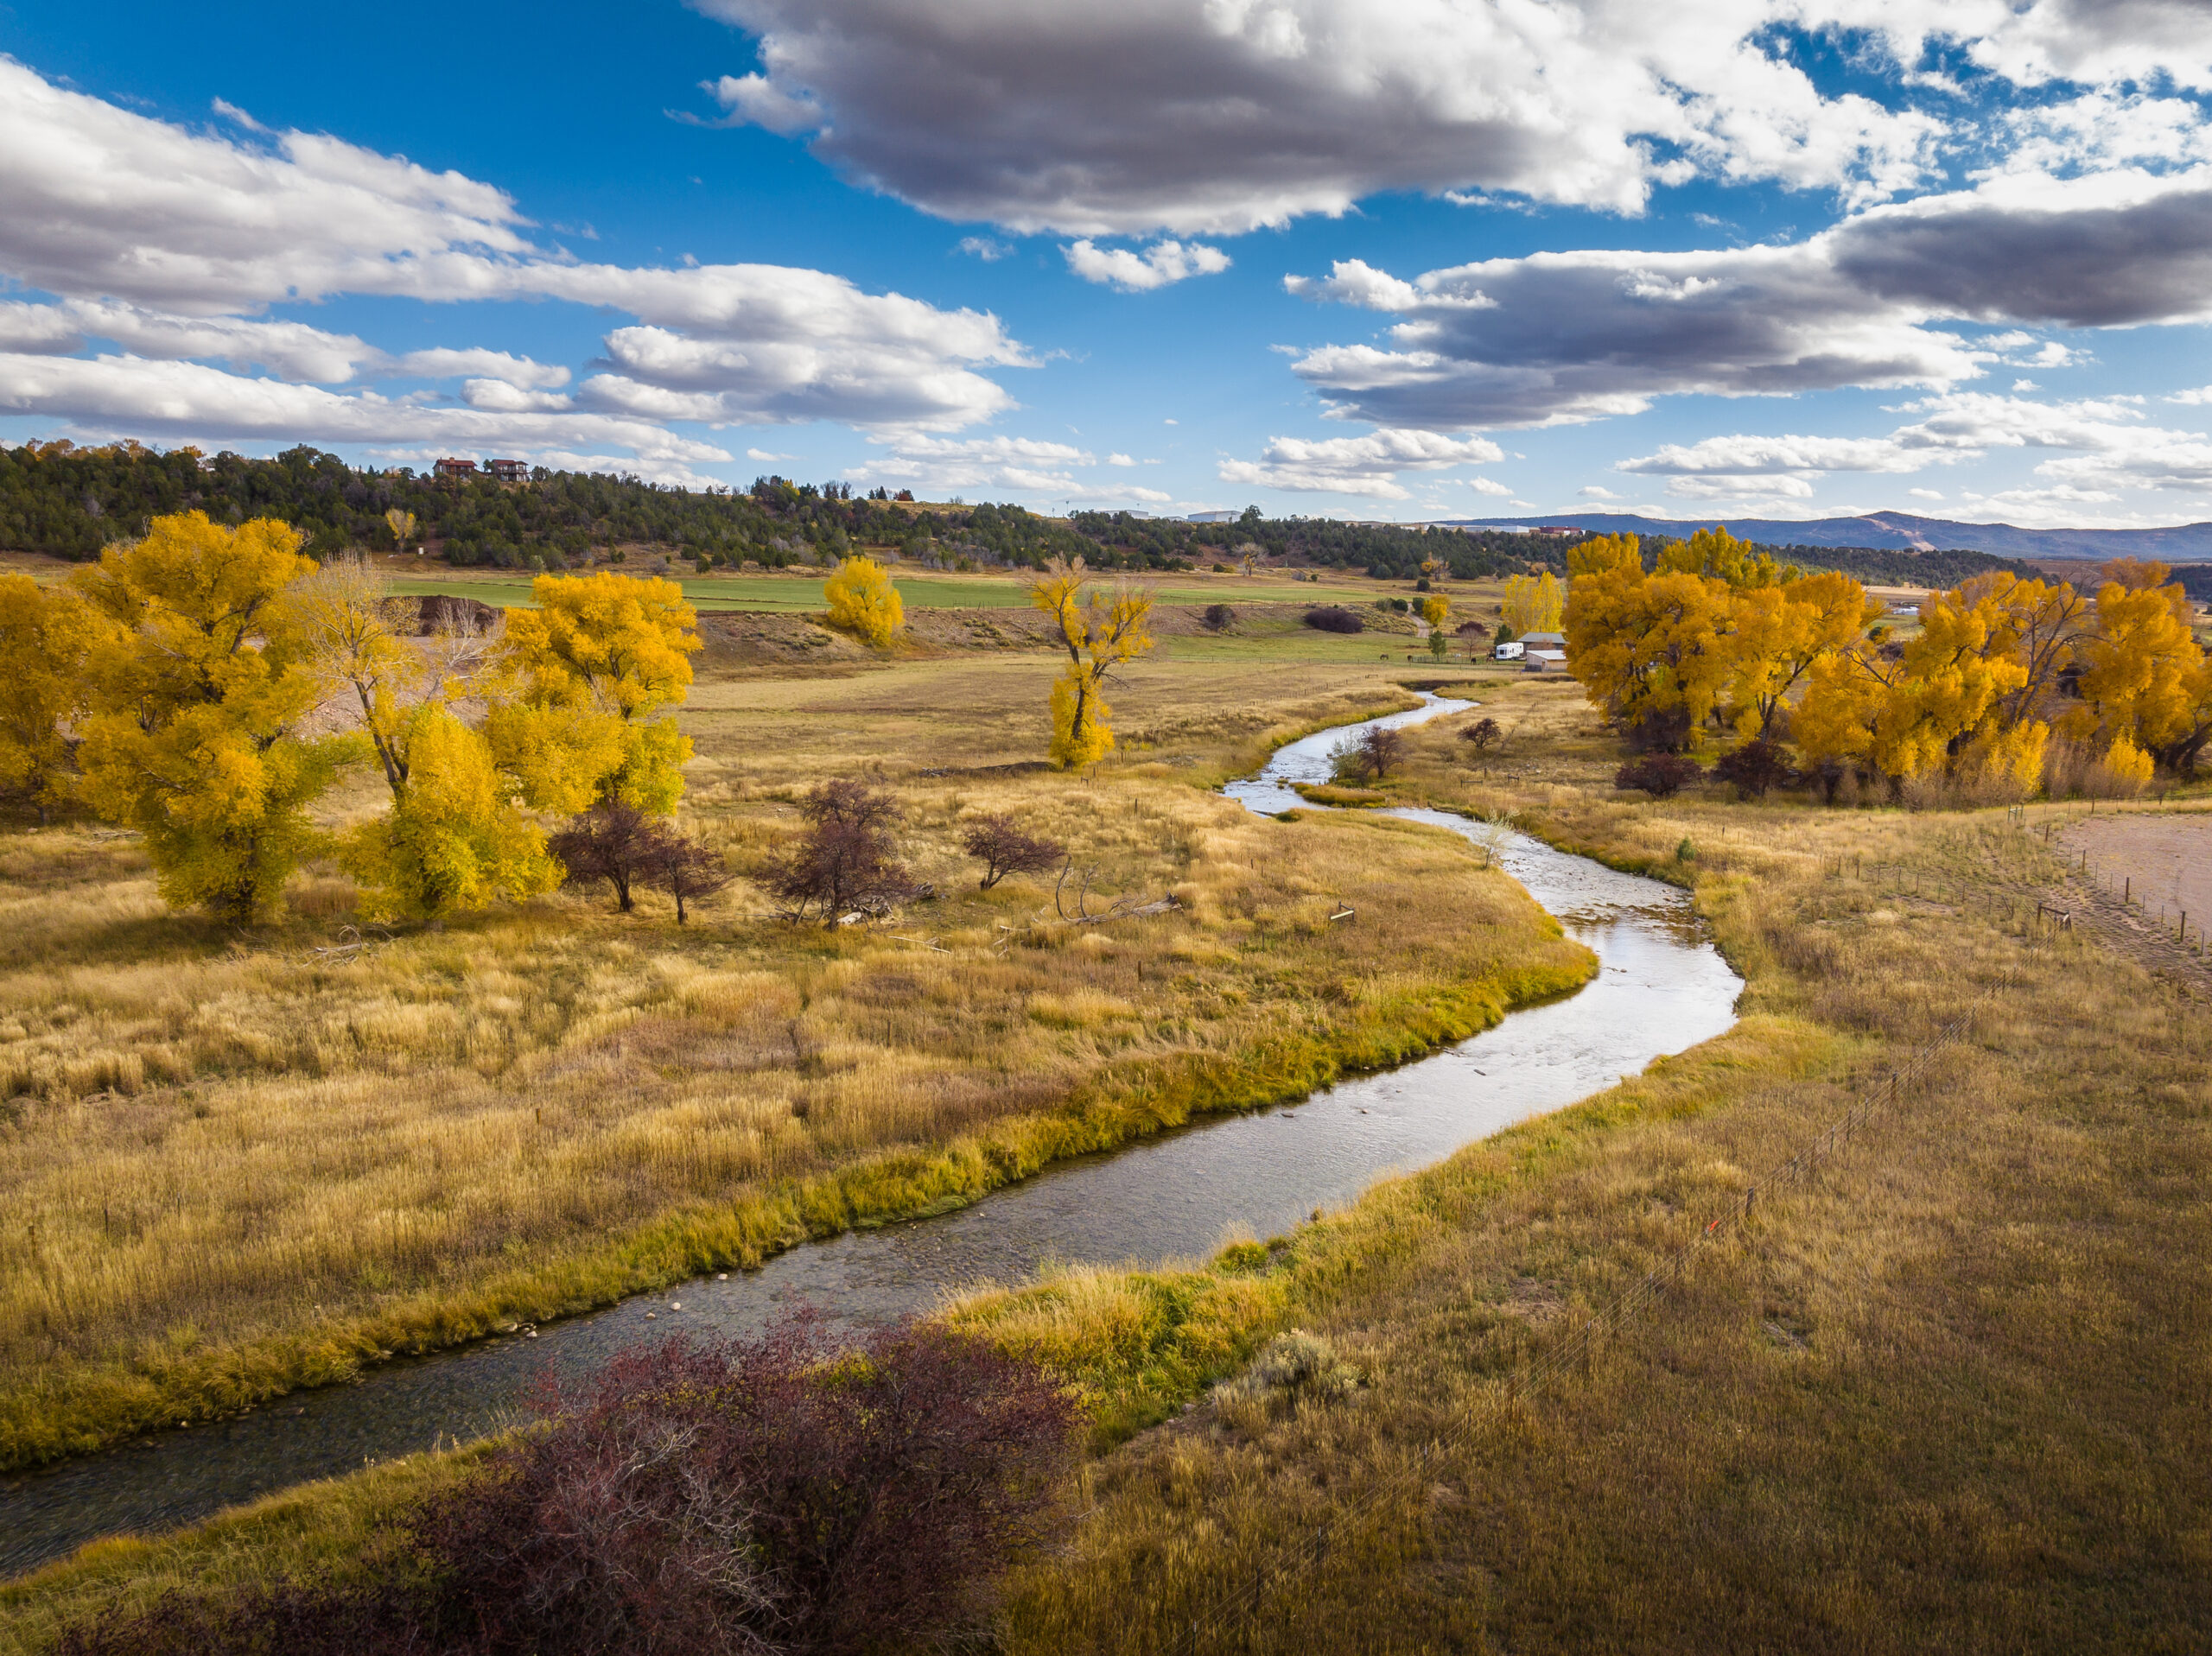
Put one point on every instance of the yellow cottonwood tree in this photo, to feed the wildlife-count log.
(1843, 700)
(595, 666)
(1716, 553)
(1780, 633)
(46, 634)
(1534, 603)
(454, 838)
(2145, 678)
(1100, 633)
(1642, 643)
(199, 696)
(862, 601)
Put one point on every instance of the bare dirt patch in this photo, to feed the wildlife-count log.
(2164, 860)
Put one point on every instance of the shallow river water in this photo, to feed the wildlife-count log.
(1662, 988)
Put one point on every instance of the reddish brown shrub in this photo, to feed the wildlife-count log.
(1333, 618)
(845, 861)
(762, 1495)
(1661, 775)
(615, 842)
(1754, 768)
(1000, 845)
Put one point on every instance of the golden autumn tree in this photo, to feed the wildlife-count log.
(863, 601)
(595, 669)
(1436, 610)
(1534, 603)
(1717, 554)
(1968, 698)
(1646, 643)
(401, 525)
(2145, 681)
(456, 837)
(1100, 632)
(1780, 633)
(1845, 695)
(46, 636)
(199, 697)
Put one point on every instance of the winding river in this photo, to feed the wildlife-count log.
(1662, 988)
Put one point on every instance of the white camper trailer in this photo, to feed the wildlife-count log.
(1512, 651)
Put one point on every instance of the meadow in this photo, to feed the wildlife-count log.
(918, 589)
(241, 1162)
(1945, 1396)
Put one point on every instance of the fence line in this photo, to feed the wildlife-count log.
(1530, 1378)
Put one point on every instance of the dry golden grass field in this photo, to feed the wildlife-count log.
(1948, 1395)
(235, 1163)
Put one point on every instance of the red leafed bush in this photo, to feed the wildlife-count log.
(765, 1495)
(846, 860)
(284, 1618)
(1004, 847)
(1661, 775)
(1755, 768)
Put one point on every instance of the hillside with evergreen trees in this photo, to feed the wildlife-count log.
(69, 502)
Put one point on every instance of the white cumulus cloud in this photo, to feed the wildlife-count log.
(1163, 263)
(1222, 116)
(132, 395)
(166, 243)
(940, 465)
(1875, 301)
(1365, 466)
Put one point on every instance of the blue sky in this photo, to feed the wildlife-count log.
(1415, 259)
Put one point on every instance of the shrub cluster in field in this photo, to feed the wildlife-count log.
(2010, 685)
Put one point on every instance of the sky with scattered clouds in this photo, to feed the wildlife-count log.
(1387, 258)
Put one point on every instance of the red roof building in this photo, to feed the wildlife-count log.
(509, 471)
(450, 468)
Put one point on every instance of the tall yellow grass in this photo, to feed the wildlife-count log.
(233, 1165)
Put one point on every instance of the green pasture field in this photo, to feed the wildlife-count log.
(802, 593)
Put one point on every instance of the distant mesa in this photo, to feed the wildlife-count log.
(1891, 531)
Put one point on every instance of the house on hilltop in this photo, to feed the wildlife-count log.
(509, 471)
(452, 467)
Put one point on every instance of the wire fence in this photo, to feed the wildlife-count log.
(1578, 1347)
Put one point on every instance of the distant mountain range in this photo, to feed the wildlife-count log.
(1899, 531)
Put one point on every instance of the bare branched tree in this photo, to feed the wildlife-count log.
(615, 842)
(1000, 844)
(1370, 756)
(1482, 736)
(688, 870)
(847, 861)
